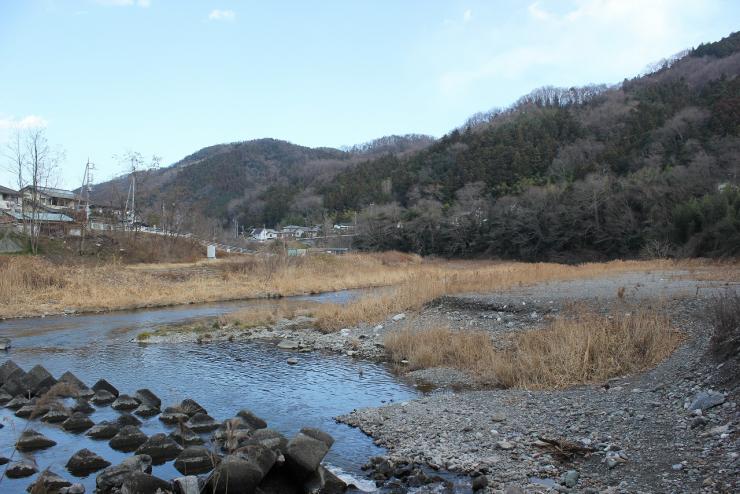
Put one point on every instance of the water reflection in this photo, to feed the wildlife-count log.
(223, 376)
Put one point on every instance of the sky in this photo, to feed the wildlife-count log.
(168, 77)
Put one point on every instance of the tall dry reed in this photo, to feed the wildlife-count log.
(590, 348)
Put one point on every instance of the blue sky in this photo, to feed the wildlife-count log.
(169, 77)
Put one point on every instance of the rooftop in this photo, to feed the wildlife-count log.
(41, 216)
(52, 192)
(6, 190)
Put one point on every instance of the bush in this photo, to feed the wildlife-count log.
(725, 315)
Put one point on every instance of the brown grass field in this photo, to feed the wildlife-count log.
(31, 286)
(588, 348)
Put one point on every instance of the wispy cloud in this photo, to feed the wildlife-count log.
(616, 37)
(222, 15)
(124, 3)
(468, 15)
(27, 122)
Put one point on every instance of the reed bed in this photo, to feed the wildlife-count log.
(32, 286)
(462, 277)
(590, 348)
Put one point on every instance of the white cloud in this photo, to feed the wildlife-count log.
(468, 15)
(124, 3)
(587, 41)
(27, 122)
(537, 12)
(222, 15)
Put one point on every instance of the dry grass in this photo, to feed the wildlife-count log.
(725, 316)
(461, 277)
(33, 286)
(590, 348)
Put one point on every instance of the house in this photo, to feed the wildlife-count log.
(50, 199)
(344, 228)
(264, 234)
(49, 223)
(9, 198)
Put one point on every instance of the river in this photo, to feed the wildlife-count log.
(224, 377)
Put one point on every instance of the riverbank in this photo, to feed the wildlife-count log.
(38, 287)
(634, 432)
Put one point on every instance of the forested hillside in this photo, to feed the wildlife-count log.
(649, 166)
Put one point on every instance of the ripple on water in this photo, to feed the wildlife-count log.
(223, 376)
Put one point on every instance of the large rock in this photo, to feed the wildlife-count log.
(143, 483)
(277, 482)
(138, 463)
(171, 418)
(8, 369)
(82, 406)
(104, 430)
(128, 438)
(322, 436)
(112, 478)
(201, 422)
(77, 422)
(324, 482)
(303, 455)
(4, 398)
(251, 419)
(40, 379)
(125, 419)
(234, 475)
(185, 437)
(85, 462)
(190, 407)
(20, 469)
(56, 415)
(32, 410)
(102, 384)
(145, 410)
(260, 455)
(75, 488)
(103, 397)
(30, 440)
(125, 402)
(194, 460)
(18, 402)
(269, 438)
(48, 483)
(707, 399)
(189, 484)
(146, 397)
(17, 384)
(160, 447)
(73, 380)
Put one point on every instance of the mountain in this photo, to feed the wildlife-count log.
(646, 167)
(259, 181)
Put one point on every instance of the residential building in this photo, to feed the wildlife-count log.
(264, 234)
(9, 198)
(50, 199)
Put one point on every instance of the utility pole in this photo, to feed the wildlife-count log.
(87, 179)
(131, 214)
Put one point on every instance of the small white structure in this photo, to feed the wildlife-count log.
(264, 234)
(211, 251)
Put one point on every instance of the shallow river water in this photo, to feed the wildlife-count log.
(223, 377)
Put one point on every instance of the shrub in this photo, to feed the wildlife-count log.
(725, 315)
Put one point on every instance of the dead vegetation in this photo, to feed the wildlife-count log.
(450, 278)
(725, 316)
(32, 286)
(589, 348)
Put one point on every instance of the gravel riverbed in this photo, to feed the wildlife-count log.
(633, 434)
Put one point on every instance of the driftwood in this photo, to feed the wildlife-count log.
(564, 450)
